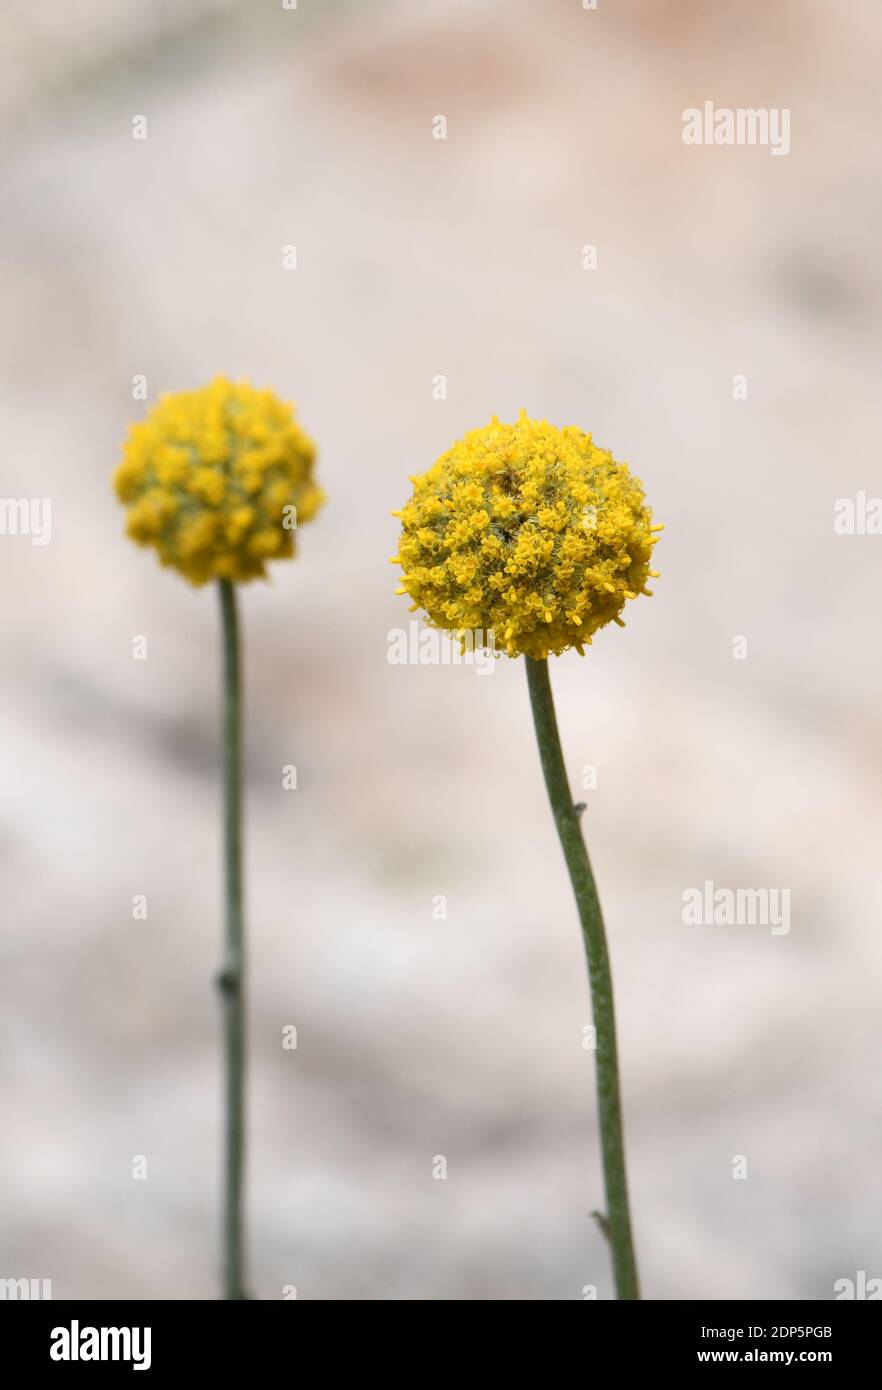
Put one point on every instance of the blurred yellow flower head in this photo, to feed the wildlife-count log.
(218, 480)
(528, 532)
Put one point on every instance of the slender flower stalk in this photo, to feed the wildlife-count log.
(216, 481)
(617, 1224)
(529, 539)
(231, 980)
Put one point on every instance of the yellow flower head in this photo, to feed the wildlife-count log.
(217, 480)
(528, 534)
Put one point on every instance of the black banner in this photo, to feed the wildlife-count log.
(76, 1338)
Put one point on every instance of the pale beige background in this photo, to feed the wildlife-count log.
(462, 1037)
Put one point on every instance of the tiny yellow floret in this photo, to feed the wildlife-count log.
(526, 532)
(218, 480)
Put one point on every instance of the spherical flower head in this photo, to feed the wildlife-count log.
(217, 481)
(527, 536)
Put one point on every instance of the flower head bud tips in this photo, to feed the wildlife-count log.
(217, 481)
(528, 531)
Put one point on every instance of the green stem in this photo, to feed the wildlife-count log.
(231, 979)
(609, 1105)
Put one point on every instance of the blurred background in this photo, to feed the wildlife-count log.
(422, 1035)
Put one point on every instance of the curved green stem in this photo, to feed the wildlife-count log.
(617, 1223)
(231, 981)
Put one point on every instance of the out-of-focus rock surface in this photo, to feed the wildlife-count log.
(461, 1037)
